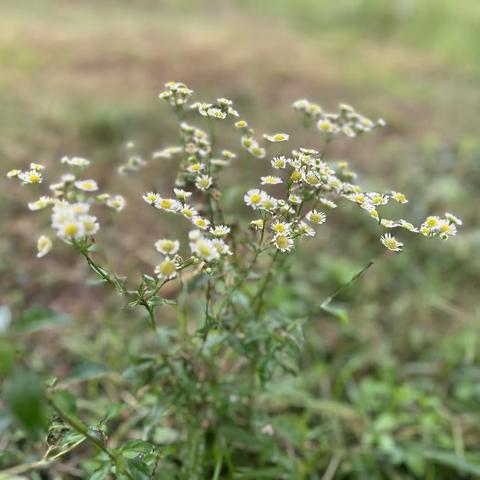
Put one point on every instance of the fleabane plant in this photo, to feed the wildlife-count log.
(229, 263)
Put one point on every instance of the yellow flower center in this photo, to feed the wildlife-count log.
(204, 249)
(166, 203)
(167, 246)
(167, 268)
(282, 241)
(255, 197)
(35, 178)
(311, 179)
(70, 229)
(295, 176)
(391, 243)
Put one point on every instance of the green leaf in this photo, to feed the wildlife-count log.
(25, 398)
(65, 400)
(38, 318)
(101, 474)
(138, 469)
(88, 371)
(453, 461)
(337, 312)
(134, 447)
(157, 301)
(7, 356)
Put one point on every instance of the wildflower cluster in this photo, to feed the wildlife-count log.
(291, 203)
(70, 200)
(210, 368)
(32, 176)
(346, 120)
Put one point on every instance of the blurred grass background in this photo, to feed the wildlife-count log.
(82, 78)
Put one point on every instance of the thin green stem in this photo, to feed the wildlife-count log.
(78, 427)
(259, 297)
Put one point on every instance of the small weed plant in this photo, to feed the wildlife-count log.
(197, 407)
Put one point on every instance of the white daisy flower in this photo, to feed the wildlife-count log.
(257, 224)
(167, 270)
(257, 151)
(283, 243)
(446, 229)
(269, 203)
(295, 199)
(399, 197)
(253, 198)
(277, 137)
(188, 212)
(305, 229)
(424, 230)
(151, 198)
(377, 198)
(41, 203)
(32, 177)
(316, 217)
(279, 162)
(325, 125)
(196, 167)
(452, 218)
(280, 227)
(241, 124)
(359, 197)
(203, 182)
(37, 166)
(432, 222)
(44, 246)
(90, 224)
(220, 231)
(312, 179)
(407, 225)
(168, 204)
(391, 243)
(204, 249)
(221, 247)
(228, 154)
(271, 180)
(166, 152)
(14, 173)
(117, 202)
(296, 176)
(79, 208)
(195, 234)
(71, 229)
(86, 185)
(167, 246)
(328, 203)
(201, 222)
(181, 195)
(385, 222)
(216, 113)
(76, 161)
(248, 142)
(67, 178)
